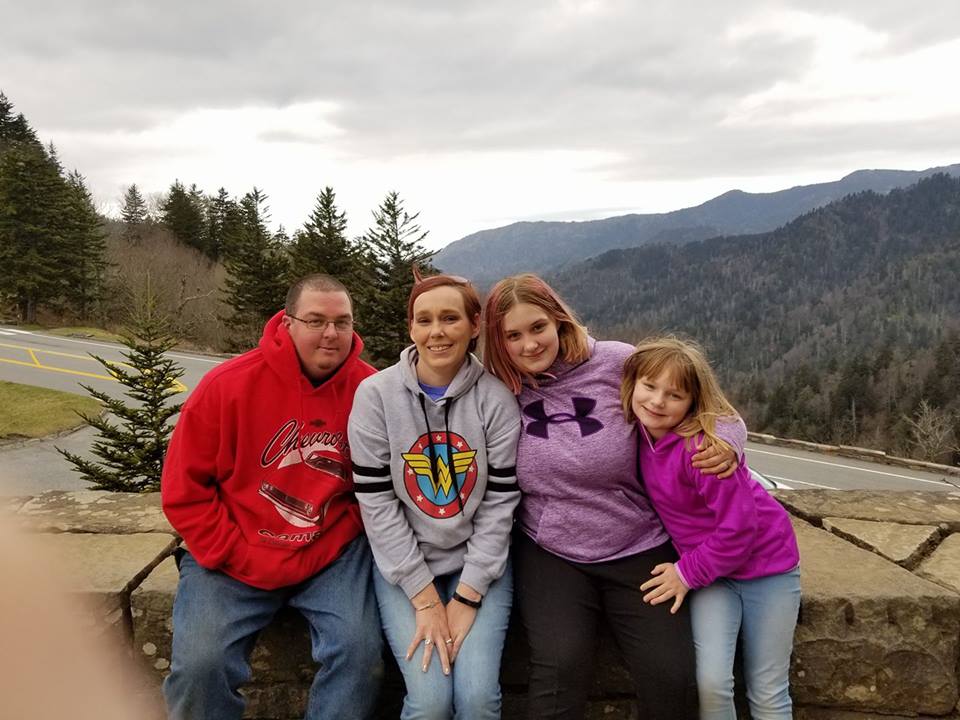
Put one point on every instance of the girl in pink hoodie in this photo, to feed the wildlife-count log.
(737, 548)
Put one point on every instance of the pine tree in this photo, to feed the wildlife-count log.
(256, 269)
(322, 244)
(393, 245)
(182, 212)
(132, 438)
(85, 237)
(223, 222)
(134, 215)
(13, 128)
(33, 226)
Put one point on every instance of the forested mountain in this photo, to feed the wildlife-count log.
(541, 247)
(835, 327)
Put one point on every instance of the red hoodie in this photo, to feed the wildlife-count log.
(257, 477)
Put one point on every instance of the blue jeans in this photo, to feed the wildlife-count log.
(472, 690)
(215, 624)
(765, 611)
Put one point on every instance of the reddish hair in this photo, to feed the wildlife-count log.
(471, 300)
(531, 289)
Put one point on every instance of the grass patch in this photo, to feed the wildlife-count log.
(30, 412)
(90, 333)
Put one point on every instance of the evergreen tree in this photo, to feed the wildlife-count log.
(33, 219)
(256, 269)
(393, 246)
(14, 128)
(134, 215)
(224, 220)
(322, 244)
(132, 438)
(86, 239)
(182, 212)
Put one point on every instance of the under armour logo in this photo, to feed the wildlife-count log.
(582, 407)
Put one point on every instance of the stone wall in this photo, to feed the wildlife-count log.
(878, 637)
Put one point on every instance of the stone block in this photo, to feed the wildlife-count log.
(94, 511)
(904, 507)
(905, 545)
(872, 636)
(804, 713)
(105, 566)
(943, 565)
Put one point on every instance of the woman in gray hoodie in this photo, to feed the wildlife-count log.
(433, 444)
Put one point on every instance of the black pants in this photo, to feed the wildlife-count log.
(562, 603)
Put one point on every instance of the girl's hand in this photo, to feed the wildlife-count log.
(665, 584)
(460, 618)
(431, 628)
(714, 459)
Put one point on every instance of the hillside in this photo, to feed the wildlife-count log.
(487, 255)
(847, 313)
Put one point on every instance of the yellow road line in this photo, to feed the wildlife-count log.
(179, 386)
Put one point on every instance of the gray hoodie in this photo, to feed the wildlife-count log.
(436, 481)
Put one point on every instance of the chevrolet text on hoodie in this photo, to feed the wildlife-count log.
(436, 481)
(577, 462)
(721, 528)
(257, 476)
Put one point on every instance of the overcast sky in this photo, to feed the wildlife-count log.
(483, 113)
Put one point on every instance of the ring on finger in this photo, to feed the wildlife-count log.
(448, 641)
(428, 641)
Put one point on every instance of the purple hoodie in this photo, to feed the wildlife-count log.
(577, 462)
(721, 528)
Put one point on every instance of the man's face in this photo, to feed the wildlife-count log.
(323, 350)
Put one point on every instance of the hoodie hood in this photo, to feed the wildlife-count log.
(466, 377)
(561, 367)
(281, 355)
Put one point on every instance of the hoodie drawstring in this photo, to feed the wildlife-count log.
(434, 467)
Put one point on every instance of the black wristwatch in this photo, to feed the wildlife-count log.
(475, 604)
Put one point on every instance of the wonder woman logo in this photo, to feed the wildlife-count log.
(435, 473)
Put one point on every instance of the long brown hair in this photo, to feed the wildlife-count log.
(690, 371)
(513, 291)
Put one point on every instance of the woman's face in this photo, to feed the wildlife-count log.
(442, 333)
(531, 337)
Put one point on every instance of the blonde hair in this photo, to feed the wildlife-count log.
(530, 289)
(690, 371)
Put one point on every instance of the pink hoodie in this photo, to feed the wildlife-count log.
(721, 528)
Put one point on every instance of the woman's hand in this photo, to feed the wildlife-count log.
(431, 628)
(665, 584)
(460, 618)
(713, 459)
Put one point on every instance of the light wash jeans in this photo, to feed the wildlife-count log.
(765, 611)
(472, 690)
(215, 624)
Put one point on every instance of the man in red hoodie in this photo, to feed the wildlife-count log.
(257, 481)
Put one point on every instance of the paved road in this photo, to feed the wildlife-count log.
(799, 469)
(61, 363)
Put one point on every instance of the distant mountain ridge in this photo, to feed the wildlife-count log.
(545, 246)
(831, 328)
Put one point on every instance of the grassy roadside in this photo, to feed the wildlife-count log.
(32, 412)
(87, 333)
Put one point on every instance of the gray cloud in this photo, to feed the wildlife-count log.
(650, 81)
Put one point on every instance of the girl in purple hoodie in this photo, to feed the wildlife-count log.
(737, 548)
(588, 536)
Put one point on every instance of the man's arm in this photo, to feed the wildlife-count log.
(191, 494)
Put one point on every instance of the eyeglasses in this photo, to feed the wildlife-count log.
(341, 325)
